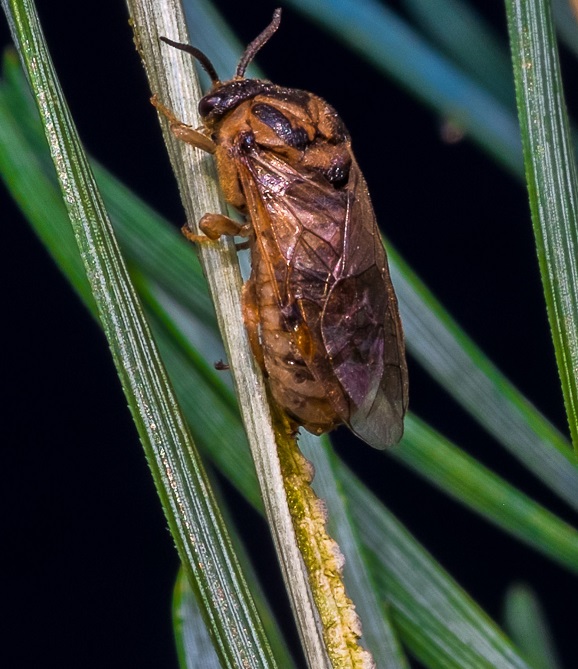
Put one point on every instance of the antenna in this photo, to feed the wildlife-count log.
(259, 42)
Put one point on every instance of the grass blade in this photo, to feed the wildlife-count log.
(552, 182)
(527, 625)
(381, 36)
(194, 646)
(182, 485)
(443, 627)
(173, 78)
(457, 474)
(455, 361)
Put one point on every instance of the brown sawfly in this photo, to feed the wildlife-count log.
(319, 306)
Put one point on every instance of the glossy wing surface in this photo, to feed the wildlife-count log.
(361, 327)
(329, 267)
(299, 221)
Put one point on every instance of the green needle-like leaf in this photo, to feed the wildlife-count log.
(454, 360)
(194, 519)
(462, 33)
(526, 623)
(438, 621)
(432, 335)
(428, 612)
(231, 458)
(194, 646)
(458, 474)
(379, 635)
(552, 181)
(391, 44)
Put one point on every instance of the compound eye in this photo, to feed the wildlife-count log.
(208, 104)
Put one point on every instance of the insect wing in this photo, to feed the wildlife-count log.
(329, 268)
(298, 220)
(361, 327)
(301, 220)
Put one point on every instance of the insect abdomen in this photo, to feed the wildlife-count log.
(283, 343)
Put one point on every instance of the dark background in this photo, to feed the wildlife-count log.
(89, 562)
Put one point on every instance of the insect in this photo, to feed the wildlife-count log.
(319, 306)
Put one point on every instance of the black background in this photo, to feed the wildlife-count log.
(88, 562)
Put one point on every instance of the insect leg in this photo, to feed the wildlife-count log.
(215, 225)
(183, 131)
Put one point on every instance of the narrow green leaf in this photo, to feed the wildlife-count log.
(457, 474)
(173, 79)
(418, 598)
(379, 636)
(23, 153)
(443, 627)
(451, 357)
(465, 36)
(187, 381)
(194, 646)
(552, 182)
(528, 627)
(191, 641)
(424, 450)
(387, 41)
(508, 413)
(566, 22)
(194, 519)
(432, 336)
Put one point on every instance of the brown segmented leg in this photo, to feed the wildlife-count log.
(215, 225)
(251, 318)
(182, 131)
